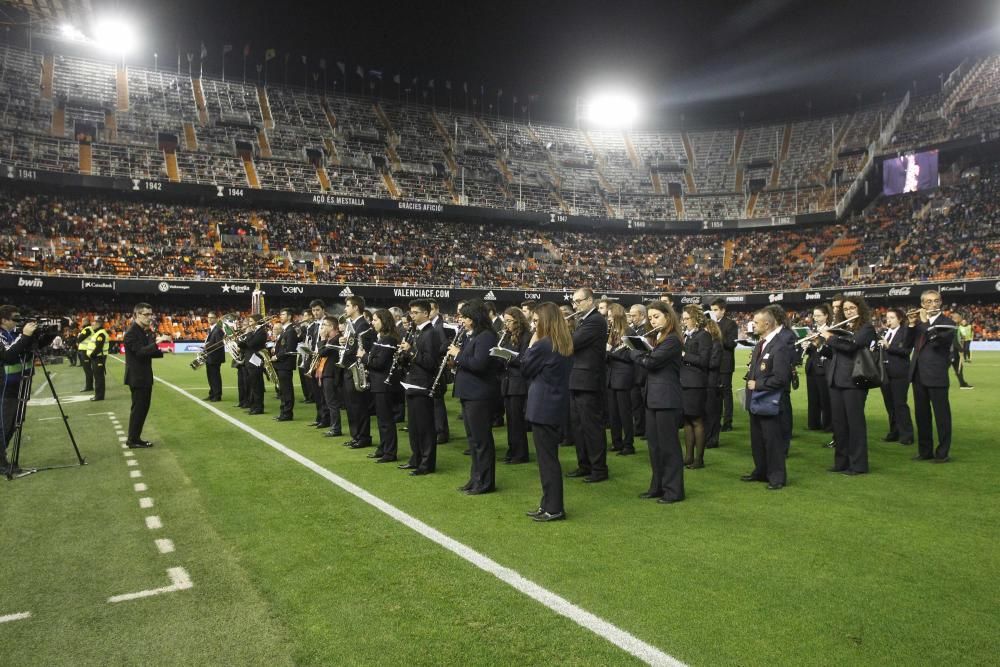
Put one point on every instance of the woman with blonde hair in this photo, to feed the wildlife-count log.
(713, 390)
(621, 378)
(694, 381)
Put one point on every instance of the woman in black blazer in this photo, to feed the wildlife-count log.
(547, 364)
(694, 380)
(817, 390)
(850, 431)
(477, 385)
(621, 378)
(383, 386)
(664, 403)
(513, 387)
(713, 390)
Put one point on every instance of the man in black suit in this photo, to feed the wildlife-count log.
(931, 334)
(441, 426)
(302, 361)
(639, 325)
(214, 359)
(330, 377)
(315, 342)
(140, 350)
(253, 349)
(586, 384)
(770, 370)
(426, 354)
(787, 337)
(358, 335)
(730, 332)
(895, 343)
(284, 364)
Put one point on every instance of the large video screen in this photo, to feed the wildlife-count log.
(910, 173)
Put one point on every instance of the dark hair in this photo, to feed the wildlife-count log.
(778, 313)
(317, 302)
(142, 305)
(256, 317)
(421, 304)
(719, 302)
(522, 324)
(330, 319)
(673, 323)
(388, 324)
(476, 311)
(899, 313)
(287, 311)
(827, 310)
(530, 305)
(7, 312)
(358, 301)
(864, 312)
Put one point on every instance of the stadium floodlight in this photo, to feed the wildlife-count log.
(71, 33)
(115, 35)
(612, 110)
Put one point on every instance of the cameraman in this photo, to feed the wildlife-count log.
(15, 345)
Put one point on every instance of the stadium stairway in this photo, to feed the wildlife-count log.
(486, 132)
(727, 254)
(199, 100)
(86, 158)
(263, 144)
(121, 87)
(654, 177)
(173, 171)
(331, 118)
(58, 128)
(692, 162)
(633, 154)
(737, 147)
(111, 126)
(439, 126)
(251, 171)
(48, 74)
(679, 205)
(190, 137)
(751, 202)
(324, 178)
(331, 150)
(384, 119)
(390, 184)
(265, 107)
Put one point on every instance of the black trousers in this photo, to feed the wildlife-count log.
(214, 373)
(386, 418)
(255, 387)
(622, 427)
(713, 415)
(478, 418)
(88, 373)
(98, 371)
(286, 392)
(547, 437)
(328, 403)
(926, 399)
(726, 395)
(420, 409)
(569, 438)
(894, 397)
(638, 411)
(665, 457)
(141, 397)
(588, 432)
(308, 386)
(818, 396)
(967, 350)
(398, 399)
(768, 448)
(786, 419)
(850, 430)
(441, 419)
(358, 413)
(517, 429)
(241, 386)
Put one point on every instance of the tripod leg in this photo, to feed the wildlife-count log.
(23, 395)
(52, 388)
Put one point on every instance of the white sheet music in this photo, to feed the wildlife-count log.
(255, 360)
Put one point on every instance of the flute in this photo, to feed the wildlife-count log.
(930, 313)
(834, 326)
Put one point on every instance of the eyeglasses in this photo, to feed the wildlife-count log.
(579, 301)
(850, 307)
(146, 313)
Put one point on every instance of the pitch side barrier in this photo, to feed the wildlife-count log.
(225, 195)
(283, 292)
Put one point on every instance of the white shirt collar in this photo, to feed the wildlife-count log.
(770, 336)
(930, 320)
(421, 327)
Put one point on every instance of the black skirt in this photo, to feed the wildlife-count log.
(694, 401)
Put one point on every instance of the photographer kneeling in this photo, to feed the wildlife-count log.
(16, 345)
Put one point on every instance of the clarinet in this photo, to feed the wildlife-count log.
(397, 356)
(444, 362)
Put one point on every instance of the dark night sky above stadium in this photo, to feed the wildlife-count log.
(707, 60)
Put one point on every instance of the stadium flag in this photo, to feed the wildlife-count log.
(341, 67)
(190, 57)
(395, 79)
(204, 50)
(375, 73)
(360, 71)
(270, 54)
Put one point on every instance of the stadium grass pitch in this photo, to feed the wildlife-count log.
(895, 567)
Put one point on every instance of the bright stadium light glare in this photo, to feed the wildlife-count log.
(612, 110)
(115, 35)
(71, 32)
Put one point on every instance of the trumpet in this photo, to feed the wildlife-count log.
(228, 342)
(833, 326)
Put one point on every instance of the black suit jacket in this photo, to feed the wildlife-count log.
(714, 363)
(379, 361)
(838, 372)
(621, 370)
(476, 376)
(331, 371)
(548, 373)
(771, 367)
(140, 350)
(638, 372)
(697, 354)
(284, 349)
(897, 355)
(216, 357)
(364, 338)
(427, 356)
(931, 352)
(663, 380)
(589, 353)
(730, 332)
(512, 382)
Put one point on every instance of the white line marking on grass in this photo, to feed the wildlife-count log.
(135, 473)
(180, 580)
(43, 386)
(94, 414)
(140, 487)
(45, 419)
(165, 546)
(620, 638)
(153, 522)
(145, 503)
(128, 455)
(15, 617)
(132, 462)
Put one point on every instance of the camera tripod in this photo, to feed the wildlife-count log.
(13, 471)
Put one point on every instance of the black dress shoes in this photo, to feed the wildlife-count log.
(918, 457)
(255, 412)
(442, 440)
(751, 478)
(578, 473)
(331, 434)
(891, 437)
(775, 487)
(374, 455)
(594, 479)
(360, 445)
(386, 459)
(478, 492)
(465, 487)
(94, 398)
(907, 441)
(835, 469)
(283, 418)
(668, 501)
(726, 427)
(313, 424)
(407, 466)
(545, 517)
(418, 472)
(142, 444)
(537, 512)
(626, 452)
(851, 473)
(650, 495)
(944, 460)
